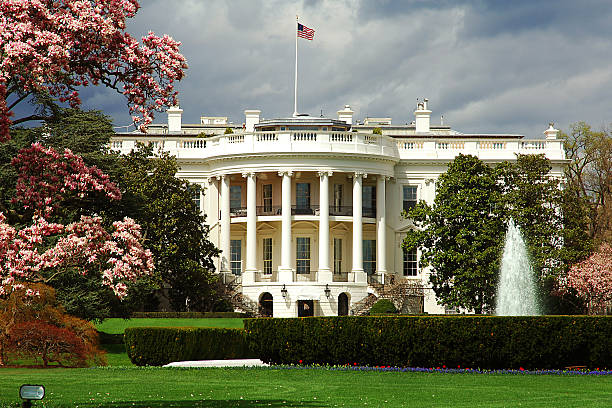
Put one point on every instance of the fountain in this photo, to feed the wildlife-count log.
(516, 291)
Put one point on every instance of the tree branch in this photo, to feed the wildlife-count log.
(29, 118)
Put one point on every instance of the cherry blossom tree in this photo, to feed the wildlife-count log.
(592, 279)
(50, 48)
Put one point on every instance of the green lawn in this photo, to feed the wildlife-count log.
(217, 387)
(117, 326)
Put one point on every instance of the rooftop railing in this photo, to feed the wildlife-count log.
(414, 148)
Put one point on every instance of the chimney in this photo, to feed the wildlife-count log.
(174, 119)
(551, 132)
(422, 116)
(346, 114)
(252, 118)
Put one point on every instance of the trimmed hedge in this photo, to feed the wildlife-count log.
(486, 342)
(157, 346)
(188, 315)
(382, 306)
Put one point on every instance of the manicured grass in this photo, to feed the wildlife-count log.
(117, 326)
(218, 387)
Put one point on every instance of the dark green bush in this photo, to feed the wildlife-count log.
(161, 345)
(188, 315)
(486, 342)
(382, 306)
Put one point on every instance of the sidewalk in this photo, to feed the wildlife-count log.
(252, 362)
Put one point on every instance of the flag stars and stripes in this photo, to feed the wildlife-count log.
(305, 32)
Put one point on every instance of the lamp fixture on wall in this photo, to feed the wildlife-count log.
(327, 291)
(284, 291)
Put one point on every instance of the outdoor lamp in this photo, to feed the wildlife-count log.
(327, 291)
(284, 291)
(29, 392)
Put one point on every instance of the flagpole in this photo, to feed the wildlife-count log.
(295, 112)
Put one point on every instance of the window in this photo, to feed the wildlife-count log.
(410, 197)
(302, 256)
(267, 256)
(195, 195)
(302, 195)
(236, 256)
(338, 193)
(410, 263)
(337, 256)
(235, 198)
(369, 256)
(368, 194)
(267, 198)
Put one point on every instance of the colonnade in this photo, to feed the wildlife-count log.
(285, 271)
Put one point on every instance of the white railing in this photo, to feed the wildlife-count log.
(408, 148)
(193, 144)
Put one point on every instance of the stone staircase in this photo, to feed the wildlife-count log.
(406, 295)
(244, 304)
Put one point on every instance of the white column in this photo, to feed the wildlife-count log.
(251, 241)
(358, 273)
(381, 226)
(325, 273)
(285, 274)
(225, 223)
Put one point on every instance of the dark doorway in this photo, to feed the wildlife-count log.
(266, 305)
(343, 304)
(305, 308)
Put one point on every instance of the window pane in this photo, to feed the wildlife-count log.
(410, 263)
(235, 197)
(369, 256)
(368, 195)
(236, 256)
(338, 196)
(302, 195)
(267, 256)
(410, 197)
(302, 255)
(267, 197)
(337, 255)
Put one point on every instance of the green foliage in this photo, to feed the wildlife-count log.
(460, 236)
(377, 131)
(485, 342)
(175, 230)
(118, 326)
(228, 131)
(383, 306)
(188, 315)
(162, 345)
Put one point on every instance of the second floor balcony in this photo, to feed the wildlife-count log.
(276, 210)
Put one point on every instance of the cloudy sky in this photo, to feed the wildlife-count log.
(487, 66)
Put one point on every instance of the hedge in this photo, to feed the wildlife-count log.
(383, 306)
(485, 342)
(157, 346)
(188, 315)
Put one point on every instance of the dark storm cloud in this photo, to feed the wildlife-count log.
(496, 66)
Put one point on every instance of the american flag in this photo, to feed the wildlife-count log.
(305, 32)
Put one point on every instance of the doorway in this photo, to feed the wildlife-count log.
(305, 308)
(266, 307)
(343, 304)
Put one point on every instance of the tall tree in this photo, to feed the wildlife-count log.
(174, 228)
(589, 173)
(52, 48)
(459, 235)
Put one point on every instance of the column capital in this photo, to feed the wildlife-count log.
(221, 176)
(429, 181)
(360, 174)
(248, 174)
(285, 172)
(325, 173)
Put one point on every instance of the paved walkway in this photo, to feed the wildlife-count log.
(252, 362)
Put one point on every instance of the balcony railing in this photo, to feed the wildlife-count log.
(302, 210)
(346, 210)
(238, 212)
(368, 212)
(269, 210)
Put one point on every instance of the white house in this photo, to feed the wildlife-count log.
(308, 211)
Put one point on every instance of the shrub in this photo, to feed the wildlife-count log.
(377, 131)
(188, 315)
(228, 131)
(487, 342)
(383, 306)
(50, 343)
(161, 345)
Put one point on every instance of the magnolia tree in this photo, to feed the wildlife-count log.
(53, 47)
(591, 279)
(42, 250)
